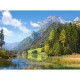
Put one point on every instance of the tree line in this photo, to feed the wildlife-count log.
(63, 40)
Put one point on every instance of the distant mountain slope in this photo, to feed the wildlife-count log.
(10, 46)
(26, 42)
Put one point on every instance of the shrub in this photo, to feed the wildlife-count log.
(3, 54)
(34, 54)
(42, 50)
(35, 51)
(4, 63)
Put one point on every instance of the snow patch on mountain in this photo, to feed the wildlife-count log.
(77, 19)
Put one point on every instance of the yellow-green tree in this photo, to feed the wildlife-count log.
(24, 54)
(56, 48)
(51, 35)
(46, 48)
(62, 37)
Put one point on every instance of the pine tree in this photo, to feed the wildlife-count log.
(56, 48)
(72, 37)
(62, 37)
(51, 35)
(1, 38)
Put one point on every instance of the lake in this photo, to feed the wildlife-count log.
(19, 63)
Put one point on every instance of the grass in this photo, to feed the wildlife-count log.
(63, 62)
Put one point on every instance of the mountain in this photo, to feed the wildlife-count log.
(42, 39)
(24, 44)
(76, 19)
(10, 46)
(51, 19)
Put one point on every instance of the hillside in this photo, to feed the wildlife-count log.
(26, 42)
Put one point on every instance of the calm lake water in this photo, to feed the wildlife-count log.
(19, 64)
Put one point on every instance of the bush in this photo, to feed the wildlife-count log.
(3, 54)
(2, 51)
(4, 63)
(42, 50)
(35, 51)
(34, 54)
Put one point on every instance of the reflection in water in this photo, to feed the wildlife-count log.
(18, 64)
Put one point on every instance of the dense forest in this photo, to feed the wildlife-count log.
(63, 40)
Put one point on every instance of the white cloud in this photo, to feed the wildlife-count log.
(7, 19)
(34, 24)
(6, 31)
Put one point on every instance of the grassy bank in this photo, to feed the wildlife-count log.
(55, 62)
(63, 62)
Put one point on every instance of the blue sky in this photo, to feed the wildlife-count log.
(18, 25)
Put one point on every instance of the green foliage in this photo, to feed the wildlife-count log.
(3, 53)
(38, 49)
(67, 49)
(1, 38)
(42, 50)
(4, 63)
(56, 48)
(72, 37)
(34, 54)
(40, 55)
(24, 54)
(47, 48)
(63, 40)
(51, 35)
(62, 37)
(35, 51)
